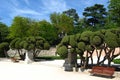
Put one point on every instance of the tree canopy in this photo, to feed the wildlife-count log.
(95, 15)
(114, 12)
(62, 22)
(4, 31)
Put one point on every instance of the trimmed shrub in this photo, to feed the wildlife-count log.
(116, 61)
(96, 40)
(85, 36)
(111, 39)
(62, 51)
(81, 46)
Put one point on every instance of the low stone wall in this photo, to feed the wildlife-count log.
(50, 52)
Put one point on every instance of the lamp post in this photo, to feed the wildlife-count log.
(68, 66)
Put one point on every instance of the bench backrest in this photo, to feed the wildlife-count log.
(104, 70)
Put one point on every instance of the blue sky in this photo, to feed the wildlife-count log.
(41, 9)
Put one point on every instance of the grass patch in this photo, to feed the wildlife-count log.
(49, 57)
(116, 61)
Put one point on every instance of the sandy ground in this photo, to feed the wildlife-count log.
(43, 70)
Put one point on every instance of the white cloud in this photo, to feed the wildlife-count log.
(50, 6)
(17, 11)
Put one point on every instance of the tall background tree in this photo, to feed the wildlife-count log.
(48, 32)
(95, 16)
(4, 31)
(62, 23)
(114, 13)
(19, 27)
(73, 14)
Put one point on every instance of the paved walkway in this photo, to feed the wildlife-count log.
(44, 70)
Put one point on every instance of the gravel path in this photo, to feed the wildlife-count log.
(44, 70)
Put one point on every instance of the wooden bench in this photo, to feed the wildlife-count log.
(14, 60)
(104, 71)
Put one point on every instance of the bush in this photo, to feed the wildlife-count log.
(62, 51)
(116, 61)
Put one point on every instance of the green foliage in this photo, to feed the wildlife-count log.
(85, 36)
(47, 31)
(72, 50)
(73, 14)
(25, 45)
(80, 52)
(13, 44)
(62, 51)
(116, 61)
(95, 15)
(89, 48)
(65, 40)
(96, 40)
(114, 9)
(19, 27)
(77, 37)
(36, 43)
(81, 46)
(62, 22)
(3, 32)
(4, 46)
(46, 46)
(72, 41)
(111, 39)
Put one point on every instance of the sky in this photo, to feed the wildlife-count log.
(41, 9)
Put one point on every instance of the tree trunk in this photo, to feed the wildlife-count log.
(86, 61)
(99, 56)
(5, 52)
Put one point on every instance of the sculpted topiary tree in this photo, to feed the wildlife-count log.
(35, 44)
(97, 41)
(88, 42)
(80, 50)
(72, 54)
(85, 37)
(62, 51)
(112, 42)
(15, 45)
